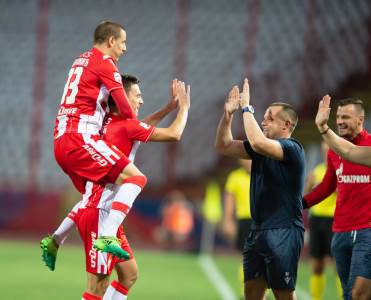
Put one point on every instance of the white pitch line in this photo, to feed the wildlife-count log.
(302, 294)
(215, 277)
(221, 285)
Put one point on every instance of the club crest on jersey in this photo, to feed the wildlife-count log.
(287, 277)
(117, 77)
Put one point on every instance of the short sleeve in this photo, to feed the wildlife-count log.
(249, 149)
(292, 150)
(139, 131)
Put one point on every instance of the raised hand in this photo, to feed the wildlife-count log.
(173, 102)
(245, 95)
(232, 102)
(183, 95)
(323, 113)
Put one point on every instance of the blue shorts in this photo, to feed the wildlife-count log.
(352, 253)
(273, 254)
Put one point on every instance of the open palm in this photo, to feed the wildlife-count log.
(323, 113)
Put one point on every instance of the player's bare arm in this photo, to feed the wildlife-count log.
(175, 130)
(310, 183)
(224, 141)
(349, 151)
(157, 116)
(258, 141)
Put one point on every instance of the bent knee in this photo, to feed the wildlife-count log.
(360, 294)
(128, 280)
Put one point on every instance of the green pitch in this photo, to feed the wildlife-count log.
(162, 276)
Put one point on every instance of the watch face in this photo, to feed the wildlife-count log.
(249, 109)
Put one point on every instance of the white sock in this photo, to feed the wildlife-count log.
(121, 205)
(115, 291)
(63, 230)
(66, 226)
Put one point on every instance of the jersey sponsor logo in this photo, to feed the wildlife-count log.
(351, 178)
(67, 111)
(97, 157)
(117, 77)
(93, 252)
(144, 125)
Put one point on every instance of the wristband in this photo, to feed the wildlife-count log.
(325, 131)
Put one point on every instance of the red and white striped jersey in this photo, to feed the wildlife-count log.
(126, 135)
(91, 78)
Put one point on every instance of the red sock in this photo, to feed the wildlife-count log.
(116, 291)
(87, 296)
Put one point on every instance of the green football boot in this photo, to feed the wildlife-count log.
(110, 245)
(49, 249)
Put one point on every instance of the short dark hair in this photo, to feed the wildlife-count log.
(358, 103)
(289, 112)
(127, 81)
(105, 30)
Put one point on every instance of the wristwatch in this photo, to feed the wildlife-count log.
(249, 109)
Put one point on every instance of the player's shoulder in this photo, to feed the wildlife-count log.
(291, 144)
(101, 59)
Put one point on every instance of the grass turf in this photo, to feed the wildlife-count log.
(162, 275)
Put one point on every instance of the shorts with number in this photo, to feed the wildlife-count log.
(89, 224)
(86, 157)
(273, 255)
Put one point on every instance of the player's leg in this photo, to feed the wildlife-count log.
(50, 244)
(98, 265)
(281, 250)
(317, 279)
(96, 285)
(361, 289)
(317, 250)
(327, 237)
(255, 289)
(243, 229)
(341, 249)
(129, 188)
(254, 269)
(127, 274)
(91, 158)
(360, 270)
